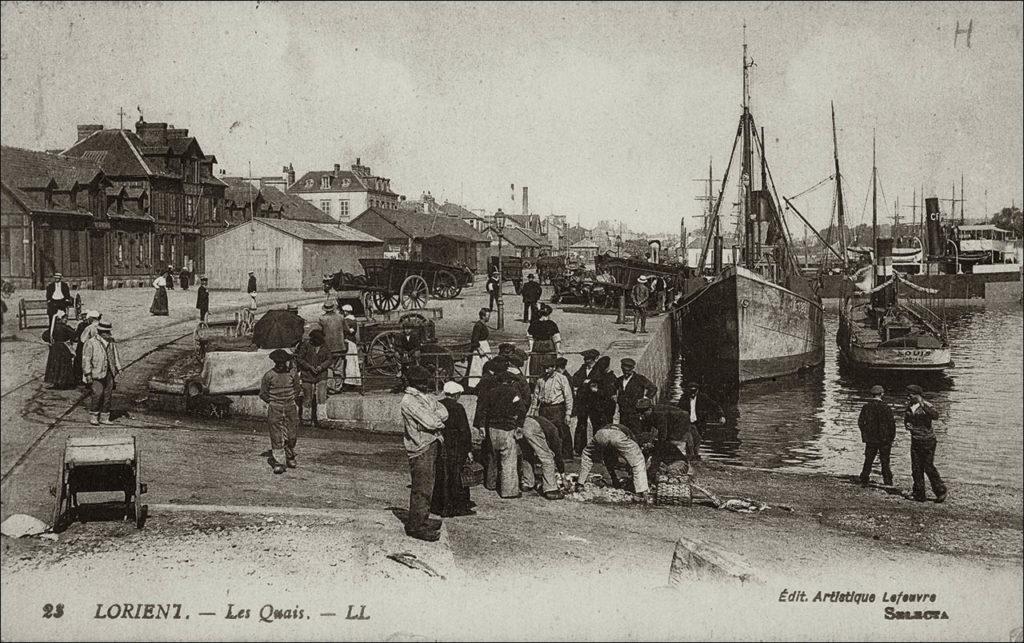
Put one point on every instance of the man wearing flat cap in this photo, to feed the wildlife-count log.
(630, 387)
(58, 297)
(917, 418)
(877, 431)
(581, 390)
(423, 419)
(280, 388)
(701, 411)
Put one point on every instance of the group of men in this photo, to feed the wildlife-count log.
(878, 431)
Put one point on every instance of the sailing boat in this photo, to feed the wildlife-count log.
(877, 330)
(758, 319)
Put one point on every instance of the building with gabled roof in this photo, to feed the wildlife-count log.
(344, 193)
(430, 237)
(185, 197)
(63, 214)
(285, 254)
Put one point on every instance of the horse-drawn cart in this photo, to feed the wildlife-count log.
(389, 284)
(383, 344)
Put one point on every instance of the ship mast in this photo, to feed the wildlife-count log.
(839, 191)
(874, 214)
(745, 178)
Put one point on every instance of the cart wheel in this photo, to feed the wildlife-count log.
(62, 497)
(382, 355)
(414, 292)
(139, 509)
(446, 285)
(385, 301)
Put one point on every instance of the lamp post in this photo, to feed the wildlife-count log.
(618, 245)
(499, 224)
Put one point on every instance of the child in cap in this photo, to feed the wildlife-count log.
(280, 388)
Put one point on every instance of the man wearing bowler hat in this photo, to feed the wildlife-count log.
(280, 388)
(917, 418)
(877, 431)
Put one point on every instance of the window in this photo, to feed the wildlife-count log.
(6, 252)
(138, 256)
(325, 182)
(325, 205)
(345, 183)
(120, 249)
(162, 255)
(309, 183)
(343, 209)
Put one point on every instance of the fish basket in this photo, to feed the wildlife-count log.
(472, 474)
(673, 490)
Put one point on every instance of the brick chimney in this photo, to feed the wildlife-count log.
(526, 201)
(337, 169)
(152, 134)
(85, 131)
(288, 173)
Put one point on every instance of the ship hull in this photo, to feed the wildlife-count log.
(741, 328)
(886, 359)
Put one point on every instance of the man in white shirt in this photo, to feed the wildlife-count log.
(702, 410)
(553, 394)
(423, 418)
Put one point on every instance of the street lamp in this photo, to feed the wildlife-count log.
(618, 245)
(499, 225)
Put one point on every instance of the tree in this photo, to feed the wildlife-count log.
(1010, 219)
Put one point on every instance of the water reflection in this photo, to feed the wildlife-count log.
(809, 423)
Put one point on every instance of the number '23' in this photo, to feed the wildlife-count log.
(53, 611)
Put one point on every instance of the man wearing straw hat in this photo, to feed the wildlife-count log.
(100, 365)
(58, 297)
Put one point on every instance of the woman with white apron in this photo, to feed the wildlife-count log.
(353, 374)
(479, 348)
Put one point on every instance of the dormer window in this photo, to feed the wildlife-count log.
(325, 182)
(345, 183)
(309, 183)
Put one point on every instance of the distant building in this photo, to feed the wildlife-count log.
(342, 194)
(170, 167)
(430, 237)
(285, 254)
(583, 251)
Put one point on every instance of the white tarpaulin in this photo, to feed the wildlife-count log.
(235, 372)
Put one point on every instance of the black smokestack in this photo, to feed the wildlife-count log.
(936, 238)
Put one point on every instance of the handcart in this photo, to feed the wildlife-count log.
(99, 464)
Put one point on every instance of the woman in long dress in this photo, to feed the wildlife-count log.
(545, 342)
(450, 498)
(159, 306)
(353, 374)
(60, 369)
(480, 348)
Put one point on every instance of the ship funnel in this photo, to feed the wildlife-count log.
(936, 238)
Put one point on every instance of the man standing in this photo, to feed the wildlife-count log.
(169, 277)
(669, 428)
(531, 293)
(516, 362)
(493, 290)
(612, 442)
(313, 360)
(501, 410)
(334, 327)
(203, 299)
(101, 363)
(554, 399)
(918, 420)
(58, 297)
(582, 407)
(281, 388)
(877, 431)
(630, 387)
(702, 410)
(251, 289)
(423, 418)
(639, 295)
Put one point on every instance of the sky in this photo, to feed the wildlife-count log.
(605, 110)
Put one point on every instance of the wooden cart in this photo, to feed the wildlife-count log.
(99, 464)
(392, 283)
(380, 343)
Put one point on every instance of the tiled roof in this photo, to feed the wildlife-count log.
(456, 210)
(337, 232)
(29, 169)
(423, 226)
(293, 207)
(537, 237)
(518, 238)
(337, 182)
(585, 243)
(123, 157)
(240, 191)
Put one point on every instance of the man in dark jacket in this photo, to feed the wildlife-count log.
(203, 299)
(918, 420)
(251, 289)
(630, 387)
(493, 288)
(58, 297)
(877, 431)
(670, 431)
(701, 410)
(531, 293)
(501, 410)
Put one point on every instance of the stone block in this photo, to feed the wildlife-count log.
(696, 561)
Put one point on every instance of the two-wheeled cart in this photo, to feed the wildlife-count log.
(94, 465)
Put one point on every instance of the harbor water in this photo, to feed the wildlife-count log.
(809, 423)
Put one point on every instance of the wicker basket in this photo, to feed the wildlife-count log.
(673, 490)
(472, 474)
